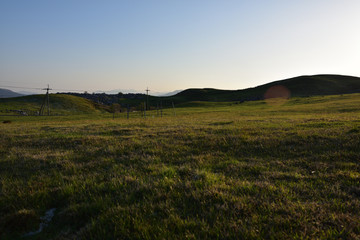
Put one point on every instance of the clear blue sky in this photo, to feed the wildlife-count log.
(178, 44)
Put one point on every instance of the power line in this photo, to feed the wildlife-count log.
(78, 90)
(27, 82)
(147, 98)
(43, 89)
(59, 89)
(21, 87)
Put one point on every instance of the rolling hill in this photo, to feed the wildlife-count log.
(59, 104)
(301, 86)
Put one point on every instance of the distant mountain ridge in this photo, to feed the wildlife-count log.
(133, 91)
(170, 93)
(6, 93)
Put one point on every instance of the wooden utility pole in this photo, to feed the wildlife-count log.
(128, 111)
(160, 108)
(46, 102)
(157, 109)
(144, 109)
(147, 98)
(173, 108)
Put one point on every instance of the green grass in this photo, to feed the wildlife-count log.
(228, 171)
(60, 104)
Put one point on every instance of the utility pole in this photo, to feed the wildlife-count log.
(128, 110)
(144, 109)
(157, 109)
(147, 98)
(161, 108)
(46, 102)
(173, 108)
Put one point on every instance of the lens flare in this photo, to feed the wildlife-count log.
(277, 95)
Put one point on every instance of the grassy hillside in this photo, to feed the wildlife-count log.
(59, 104)
(299, 87)
(319, 85)
(233, 171)
(296, 87)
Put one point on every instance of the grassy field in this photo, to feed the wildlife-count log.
(60, 104)
(255, 170)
